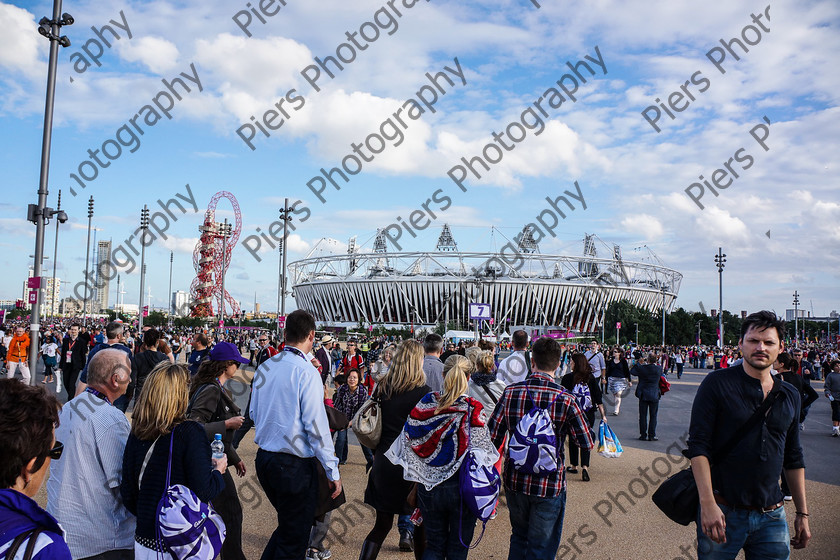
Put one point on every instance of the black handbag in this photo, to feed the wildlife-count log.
(677, 496)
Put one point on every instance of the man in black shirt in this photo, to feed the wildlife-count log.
(741, 504)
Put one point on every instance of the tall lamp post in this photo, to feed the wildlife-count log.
(87, 261)
(720, 262)
(144, 227)
(795, 318)
(637, 334)
(39, 214)
(55, 257)
(285, 215)
(224, 232)
(663, 316)
(169, 293)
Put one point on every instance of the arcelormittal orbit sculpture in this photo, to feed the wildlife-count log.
(211, 259)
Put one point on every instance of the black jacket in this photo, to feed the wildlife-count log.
(211, 405)
(648, 387)
(78, 356)
(143, 363)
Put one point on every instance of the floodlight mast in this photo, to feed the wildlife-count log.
(39, 214)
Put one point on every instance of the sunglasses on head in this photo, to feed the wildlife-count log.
(56, 451)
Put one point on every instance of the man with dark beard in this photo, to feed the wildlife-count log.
(741, 504)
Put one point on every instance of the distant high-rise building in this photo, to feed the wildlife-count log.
(180, 303)
(790, 314)
(103, 256)
(256, 308)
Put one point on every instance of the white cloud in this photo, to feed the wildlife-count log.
(179, 244)
(21, 47)
(645, 225)
(156, 53)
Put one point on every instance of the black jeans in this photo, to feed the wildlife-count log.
(228, 506)
(585, 454)
(291, 485)
(651, 408)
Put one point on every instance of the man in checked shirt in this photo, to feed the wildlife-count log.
(537, 503)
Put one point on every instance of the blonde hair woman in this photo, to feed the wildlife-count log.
(454, 421)
(160, 414)
(400, 390)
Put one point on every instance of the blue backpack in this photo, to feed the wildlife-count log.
(533, 443)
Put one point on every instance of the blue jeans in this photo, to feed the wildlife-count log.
(536, 524)
(404, 524)
(763, 536)
(446, 520)
(341, 447)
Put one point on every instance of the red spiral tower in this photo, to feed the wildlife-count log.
(211, 260)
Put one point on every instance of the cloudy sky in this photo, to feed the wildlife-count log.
(674, 62)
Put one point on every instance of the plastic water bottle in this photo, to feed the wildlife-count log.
(217, 447)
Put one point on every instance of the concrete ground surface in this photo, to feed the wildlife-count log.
(610, 518)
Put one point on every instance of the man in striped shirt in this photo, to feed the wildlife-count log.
(537, 502)
(83, 489)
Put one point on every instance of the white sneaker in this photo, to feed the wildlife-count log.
(788, 498)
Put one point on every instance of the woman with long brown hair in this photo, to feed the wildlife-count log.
(161, 414)
(212, 405)
(399, 391)
(587, 393)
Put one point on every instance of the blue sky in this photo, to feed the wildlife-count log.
(632, 177)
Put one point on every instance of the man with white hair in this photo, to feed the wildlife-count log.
(83, 491)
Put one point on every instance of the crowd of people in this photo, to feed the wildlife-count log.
(441, 405)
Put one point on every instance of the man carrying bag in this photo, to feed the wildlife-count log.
(740, 503)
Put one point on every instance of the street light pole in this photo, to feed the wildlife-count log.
(637, 334)
(144, 226)
(87, 261)
(720, 262)
(663, 316)
(281, 295)
(169, 293)
(54, 311)
(224, 233)
(796, 318)
(38, 214)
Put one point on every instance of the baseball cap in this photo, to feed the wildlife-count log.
(226, 351)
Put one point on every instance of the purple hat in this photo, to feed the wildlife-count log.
(226, 351)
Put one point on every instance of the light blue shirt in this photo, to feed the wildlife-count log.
(287, 407)
(83, 491)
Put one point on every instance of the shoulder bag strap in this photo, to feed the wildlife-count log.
(11, 552)
(490, 394)
(30, 546)
(169, 464)
(146, 462)
(756, 417)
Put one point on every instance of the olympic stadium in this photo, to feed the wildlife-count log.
(522, 285)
